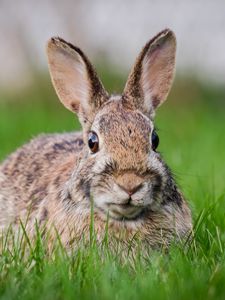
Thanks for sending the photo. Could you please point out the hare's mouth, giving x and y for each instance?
(124, 211)
(120, 209)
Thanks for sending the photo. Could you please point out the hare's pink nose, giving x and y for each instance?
(131, 191)
(129, 182)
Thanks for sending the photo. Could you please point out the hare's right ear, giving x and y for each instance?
(75, 80)
(151, 77)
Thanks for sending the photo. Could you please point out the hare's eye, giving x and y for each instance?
(155, 140)
(93, 141)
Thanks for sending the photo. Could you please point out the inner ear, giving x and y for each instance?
(75, 80)
(151, 77)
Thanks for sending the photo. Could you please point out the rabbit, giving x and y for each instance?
(112, 168)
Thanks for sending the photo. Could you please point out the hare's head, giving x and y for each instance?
(120, 167)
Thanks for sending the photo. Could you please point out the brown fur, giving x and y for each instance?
(54, 178)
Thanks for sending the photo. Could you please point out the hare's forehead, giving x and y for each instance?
(117, 125)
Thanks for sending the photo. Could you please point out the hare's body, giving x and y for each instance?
(32, 184)
(54, 179)
(33, 171)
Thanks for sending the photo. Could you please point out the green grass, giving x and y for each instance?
(191, 128)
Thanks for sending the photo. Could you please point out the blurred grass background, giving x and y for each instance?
(191, 127)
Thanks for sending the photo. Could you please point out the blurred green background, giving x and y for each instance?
(190, 124)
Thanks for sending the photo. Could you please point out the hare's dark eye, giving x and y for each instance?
(155, 140)
(93, 141)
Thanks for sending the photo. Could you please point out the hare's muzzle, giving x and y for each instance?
(130, 183)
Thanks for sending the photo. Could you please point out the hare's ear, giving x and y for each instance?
(151, 77)
(74, 79)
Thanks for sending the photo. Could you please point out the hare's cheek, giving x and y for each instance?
(101, 161)
(154, 195)
(144, 196)
(105, 195)
(103, 202)
(155, 162)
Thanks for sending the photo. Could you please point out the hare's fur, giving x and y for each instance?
(54, 178)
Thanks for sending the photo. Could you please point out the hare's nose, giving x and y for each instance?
(131, 191)
(129, 182)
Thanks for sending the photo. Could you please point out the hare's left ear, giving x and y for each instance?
(151, 77)
(75, 80)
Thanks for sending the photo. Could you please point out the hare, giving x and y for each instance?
(113, 167)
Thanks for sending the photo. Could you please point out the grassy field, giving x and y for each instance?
(191, 128)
